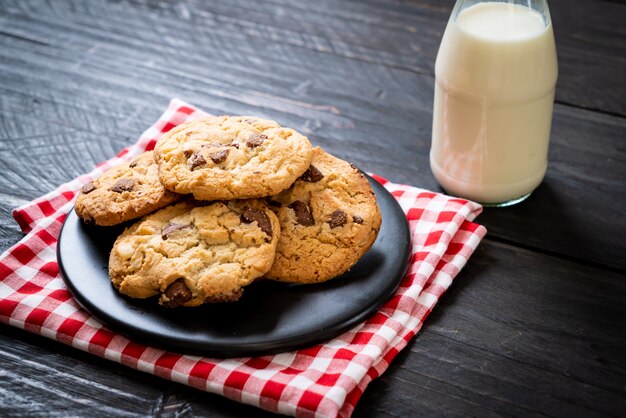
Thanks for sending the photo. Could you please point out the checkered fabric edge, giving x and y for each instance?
(324, 380)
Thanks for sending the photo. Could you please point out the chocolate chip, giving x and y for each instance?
(312, 175)
(177, 294)
(357, 219)
(219, 156)
(255, 139)
(303, 213)
(188, 153)
(170, 228)
(274, 203)
(88, 188)
(250, 215)
(133, 164)
(123, 185)
(337, 218)
(196, 160)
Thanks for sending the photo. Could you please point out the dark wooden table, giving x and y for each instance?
(536, 322)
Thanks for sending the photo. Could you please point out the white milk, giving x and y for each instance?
(496, 73)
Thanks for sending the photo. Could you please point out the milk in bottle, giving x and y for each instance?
(496, 73)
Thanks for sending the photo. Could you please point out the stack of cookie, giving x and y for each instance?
(226, 201)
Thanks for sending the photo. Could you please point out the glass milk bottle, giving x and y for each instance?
(496, 73)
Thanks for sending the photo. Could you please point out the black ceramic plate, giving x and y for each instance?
(270, 317)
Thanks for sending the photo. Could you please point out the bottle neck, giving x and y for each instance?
(539, 6)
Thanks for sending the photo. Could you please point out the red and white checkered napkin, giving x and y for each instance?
(324, 380)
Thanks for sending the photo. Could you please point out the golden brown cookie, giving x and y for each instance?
(328, 218)
(124, 192)
(231, 157)
(190, 254)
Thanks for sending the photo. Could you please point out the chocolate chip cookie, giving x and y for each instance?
(124, 192)
(328, 218)
(191, 253)
(231, 157)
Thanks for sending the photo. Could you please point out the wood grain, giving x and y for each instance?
(533, 324)
(38, 381)
(406, 35)
(543, 341)
(100, 91)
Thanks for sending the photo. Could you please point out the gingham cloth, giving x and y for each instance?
(324, 380)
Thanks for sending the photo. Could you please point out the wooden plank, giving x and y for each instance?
(591, 46)
(101, 89)
(407, 36)
(45, 378)
(519, 334)
(398, 35)
(522, 333)
(38, 380)
(578, 211)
